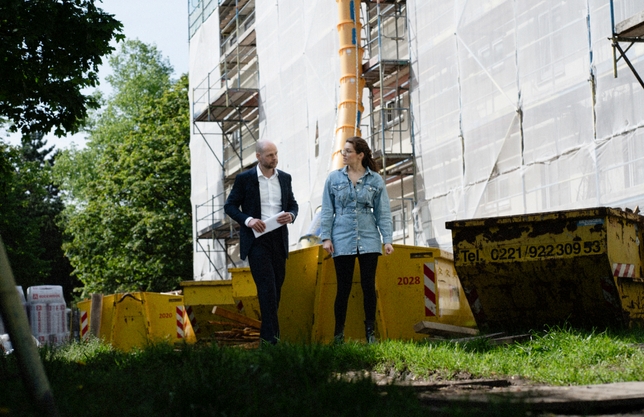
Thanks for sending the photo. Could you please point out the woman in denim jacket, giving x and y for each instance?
(355, 214)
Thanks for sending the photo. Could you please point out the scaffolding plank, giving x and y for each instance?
(374, 2)
(633, 27)
(229, 179)
(248, 37)
(371, 68)
(228, 11)
(401, 164)
(230, 102)
(220, 230)
(238, 56)
(391, 158)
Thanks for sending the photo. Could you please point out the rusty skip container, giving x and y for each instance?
(581, 267)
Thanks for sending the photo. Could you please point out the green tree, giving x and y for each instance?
(140, 76)
(129, 221)
(19, 232)
(51, 51)
(30, 205)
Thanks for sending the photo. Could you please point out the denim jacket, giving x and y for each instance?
(354, 217)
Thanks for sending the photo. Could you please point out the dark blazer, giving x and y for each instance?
(244, 202)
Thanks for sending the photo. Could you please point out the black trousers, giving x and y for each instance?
(344, 266)
(267, 262)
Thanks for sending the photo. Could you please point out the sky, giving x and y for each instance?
(163, 23)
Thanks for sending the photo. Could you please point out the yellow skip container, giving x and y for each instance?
(413, 284)
(582, 267)
(137, 319)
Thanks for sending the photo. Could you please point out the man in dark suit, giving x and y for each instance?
(257, 195)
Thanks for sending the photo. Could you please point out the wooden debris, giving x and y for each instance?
(469, 339)
(243, 331)
(495, 339)
(439, 329)
(240, 318)
(510, 339)
(221, 323)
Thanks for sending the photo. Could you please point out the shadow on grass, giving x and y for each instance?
(93, 379)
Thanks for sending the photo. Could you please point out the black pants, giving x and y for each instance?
(344, 266)
(267, 262)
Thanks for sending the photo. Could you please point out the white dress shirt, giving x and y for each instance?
(270, 195)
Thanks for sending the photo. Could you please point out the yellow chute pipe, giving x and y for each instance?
(351, 81)
(351, 87)
(349, 33)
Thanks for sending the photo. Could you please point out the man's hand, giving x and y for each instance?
(284, 218)
(257, 225)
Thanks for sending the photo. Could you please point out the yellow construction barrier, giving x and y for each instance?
(413, 284)
(200, 297)
(419, 284)
(297, 297)
(583, 267)
(137, 319)
(296, 312)
(244, 292)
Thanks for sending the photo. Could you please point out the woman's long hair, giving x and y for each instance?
(360, 145)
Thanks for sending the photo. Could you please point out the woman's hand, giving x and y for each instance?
(327, 245)
(389, 249)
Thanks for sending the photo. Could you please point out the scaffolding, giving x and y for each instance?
(387, 76)
(629, 31)
(229, 97)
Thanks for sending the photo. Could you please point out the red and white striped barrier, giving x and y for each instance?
(624, 270)
(180, 316)
(84, 325)
(430, 289)
(193, 319)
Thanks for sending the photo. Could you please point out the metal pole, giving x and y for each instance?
(613, 38)
(15, 320)
(630, 65)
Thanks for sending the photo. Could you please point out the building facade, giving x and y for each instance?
(473, 108)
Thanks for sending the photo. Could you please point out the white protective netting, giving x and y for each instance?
(517, 110)
(515, 107)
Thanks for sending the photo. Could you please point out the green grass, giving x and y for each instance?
(92, 379)
(561, 356)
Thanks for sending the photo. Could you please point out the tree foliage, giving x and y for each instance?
(19, 232)
(51, 52)
(30, 205)
(130, 222)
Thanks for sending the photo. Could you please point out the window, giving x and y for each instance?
(235, 139)
(398, 223)
(393, 112)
